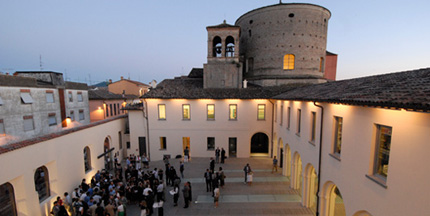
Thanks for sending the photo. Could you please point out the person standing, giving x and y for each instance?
(222, 155)
(186, 154)
(217, 154)
(208, 179)
(181, 168)
(186, 192)
(275, 164)
(175, 194)
(212, 165)
(221, 177)
(247, 169)
(216, 196)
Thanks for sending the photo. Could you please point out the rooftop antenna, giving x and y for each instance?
(280, 1)
(40, 61)
(89, 79)
(128, 75)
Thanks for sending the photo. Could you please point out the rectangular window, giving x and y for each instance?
(313, 126)
(26, 97)
(72, 115)
(289, 117)
(186, 113)
(107, 110)
(232, 112)
(52, 120)
(2, 131)
(337, 145)
(382, 151)
(261, 112)
(28, 123)
(161, 112)
(80, 98)
(114, 109)
(81, 115)
(163, 143)
(299, 120)
(211, 143)
(49, 96)
(211, 112)
(276, 112)
(289, 62)
(282, 114)
(128, 145)
(70, 96)
(111, 110)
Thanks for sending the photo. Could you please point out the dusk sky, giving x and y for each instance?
(98, 40)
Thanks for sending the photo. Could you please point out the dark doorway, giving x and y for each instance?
(260, 143)
(142, 146)
(232, 145)
(281, 158)
(108, 154)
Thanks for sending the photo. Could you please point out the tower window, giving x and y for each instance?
(289, 62)
(291, 15)
(229, 49)
(321, 64)
(217, 47)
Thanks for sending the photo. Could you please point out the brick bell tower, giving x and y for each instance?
(223, 69)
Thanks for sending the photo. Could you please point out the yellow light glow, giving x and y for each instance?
(99, 108)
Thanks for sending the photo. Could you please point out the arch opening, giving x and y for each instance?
(108, 154)
(41, 183)
(260, 143)
(229, 46)
(7, 200)
(297, 177)
(332, 203)
(216, 47)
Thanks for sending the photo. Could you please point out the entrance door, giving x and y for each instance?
(142, 146)
(260, 143)
(185, 144)
(281, 158)
(232, 144)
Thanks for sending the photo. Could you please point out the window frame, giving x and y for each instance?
(313, 127)
(162, 115)
(289, 61)
(52, 116)
(232, 114)
(289, 118)
(337, 136)
(50, 95)
(184, 115)
(26, 119)
(70, 96)
(2, 128)
(72, 115)
(87, 159)
(163, 143)
(261, 109)
(281, 120)
(299, 122)
(80, 97)
(8, 193)
(83, 115)
(44, 184)
(213, 112)
(210, 144)
(377, 154)
(26, 97)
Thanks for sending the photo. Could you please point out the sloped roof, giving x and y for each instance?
(132, 81)
(101, 94)
(222, 25)
(408, 90)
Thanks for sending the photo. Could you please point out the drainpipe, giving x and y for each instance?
(319, 158)
(145, 107)
(273, 116)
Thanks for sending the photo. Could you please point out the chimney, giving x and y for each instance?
(110, 81)
(245, 83)
(122, 77)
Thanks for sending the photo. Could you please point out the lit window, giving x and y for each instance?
(289, 117)
(80, 98)
(282, 114)
(289, 62)
(211, 143)
(321, 64)
(52, 120)
(261, 113)
(49, 97)
(161, 112)
(81, 115)
(163, 143)
(2, 131)
(72, 115)
(299, 121)
(26, 97)
(186, 113)
(382, 151)
(233, 112)
(211, 112)
(28, 123)
(313, 126)
(337, 145)
(41, 182)
(70, 96)
(7, 200)
(87, 159)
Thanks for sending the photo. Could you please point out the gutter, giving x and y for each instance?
(273, 122)
(145, 107)
(319, 157)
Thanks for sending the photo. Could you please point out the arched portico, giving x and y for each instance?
(331, 201)
(362, 213)
(280, 154)
(310, 187)
(260, 143)
(296, 178)
(287, 161)
(108, 154)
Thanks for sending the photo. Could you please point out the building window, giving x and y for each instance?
(128, 145)
(26, 97)
(282, 114)
(211, 143)
(382, 151)
(275, 112)
(80, 98)
(313, 126)
(211, 112)
(87, 159)
(49, 96)
(2, 131)
(161, 112)
(186, 113)
(41, 182)
(111, 110)
(289, 62)
(28, 123)
(163, 143)
(321, 64)
(7, 200)
(261, 112)
(81, 115)
(288, 117)
(107, 110)
(337, 145)
(70, 96)
(114, 109)
(72, 115)
(52, 120)
(299, 120)
(232, 112)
